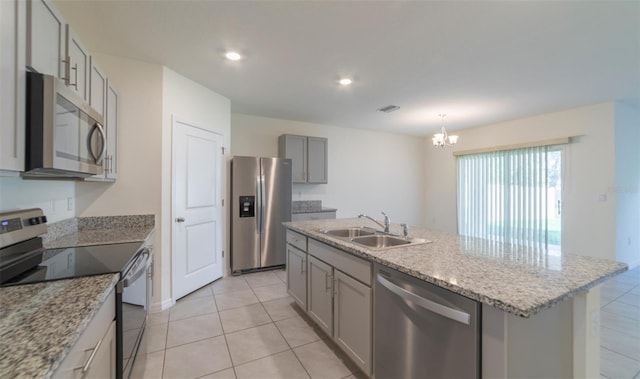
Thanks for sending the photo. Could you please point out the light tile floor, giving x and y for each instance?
(620, 327)
(239, 327)
(248, 327)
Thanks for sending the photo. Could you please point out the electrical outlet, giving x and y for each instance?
(69, 204)
(52, 203)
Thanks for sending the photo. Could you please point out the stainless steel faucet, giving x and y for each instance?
(405, 231)
(387, 221)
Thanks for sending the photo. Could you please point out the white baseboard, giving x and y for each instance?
(634, 264)
(161, 306)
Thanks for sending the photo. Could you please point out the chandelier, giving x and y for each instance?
(442, 139)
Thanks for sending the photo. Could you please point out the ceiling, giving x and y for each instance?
(478, 62)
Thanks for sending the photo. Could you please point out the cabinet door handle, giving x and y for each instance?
(75, 68)
(328, 281)
(67, 65)
(87, 364)
(302, 266)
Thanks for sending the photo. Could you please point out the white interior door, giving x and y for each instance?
(197, 209)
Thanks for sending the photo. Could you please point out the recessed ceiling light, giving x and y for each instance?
(345, 81)
(233, 56)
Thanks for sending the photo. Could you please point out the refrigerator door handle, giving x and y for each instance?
(259, 204)
(262, 202)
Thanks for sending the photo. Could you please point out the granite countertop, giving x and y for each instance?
(86, 231)
(40, 323)
(309, 206)
(36, 328)
(521, 281)
(313, 210)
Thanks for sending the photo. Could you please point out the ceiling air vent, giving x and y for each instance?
(388, 108)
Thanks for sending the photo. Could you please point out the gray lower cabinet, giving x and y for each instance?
(320, 294)
(352, 319)
(297, 275)
(340, 304)
(94, 354)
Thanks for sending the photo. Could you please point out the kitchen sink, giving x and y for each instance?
(349, 232)
(379, 241)
(386, 241)
(373, 239)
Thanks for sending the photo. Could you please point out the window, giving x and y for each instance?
(512, 196)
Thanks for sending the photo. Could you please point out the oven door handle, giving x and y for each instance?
(137, 268)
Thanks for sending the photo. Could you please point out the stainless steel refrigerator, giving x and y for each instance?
(261, 201)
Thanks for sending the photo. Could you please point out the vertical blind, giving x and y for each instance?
(504, 196)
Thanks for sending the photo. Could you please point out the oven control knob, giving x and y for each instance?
(43, 219)
(34, 221)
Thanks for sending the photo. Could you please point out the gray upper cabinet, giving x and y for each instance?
(12, 85)
(54, 49)
(111, 120)
(109, 103)
(317, 160)
(77, 65)
(97, 88)
(309, 157)
(45, 39)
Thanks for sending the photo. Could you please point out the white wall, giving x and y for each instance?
(369, 171)
(588, 217)
(627, 186)
(137, 189)
(50, 195)
(191, 102)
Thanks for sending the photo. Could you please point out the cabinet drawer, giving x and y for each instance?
(96, 330)
(350, 264)
(296, 239)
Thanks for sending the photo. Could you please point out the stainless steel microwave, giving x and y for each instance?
(65, 136)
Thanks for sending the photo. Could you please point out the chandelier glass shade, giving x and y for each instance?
(442, 139)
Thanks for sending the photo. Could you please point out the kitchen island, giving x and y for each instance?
(533, 300)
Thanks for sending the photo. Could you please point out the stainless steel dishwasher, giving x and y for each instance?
(423, 331)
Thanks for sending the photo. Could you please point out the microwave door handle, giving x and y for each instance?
(103, 138)
(103, 152)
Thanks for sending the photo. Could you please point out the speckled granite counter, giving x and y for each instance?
(86, 231)
(40, 323)
(309, 206)
(521, 281)
(314, 210)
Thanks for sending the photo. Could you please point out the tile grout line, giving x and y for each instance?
(285, 340)
(617, 352)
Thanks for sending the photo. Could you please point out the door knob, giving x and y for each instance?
(180, 219)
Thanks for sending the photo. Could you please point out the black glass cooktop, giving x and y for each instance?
(72, 262)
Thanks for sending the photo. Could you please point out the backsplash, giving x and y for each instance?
(306, 205)
(75, 224)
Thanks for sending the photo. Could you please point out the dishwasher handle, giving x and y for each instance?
(429, 305)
